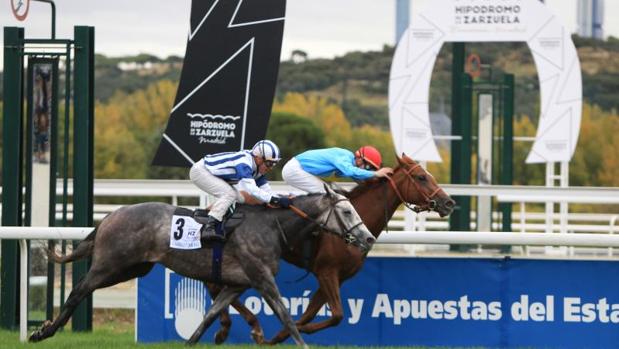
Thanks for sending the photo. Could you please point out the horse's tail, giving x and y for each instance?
(83, 250)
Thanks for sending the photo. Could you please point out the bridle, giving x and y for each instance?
(430, 203)
(348, 237)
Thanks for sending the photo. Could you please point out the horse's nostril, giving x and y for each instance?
(371, 240)
(450, 203)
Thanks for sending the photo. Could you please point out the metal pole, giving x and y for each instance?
(550, 173)
(461, 126)
(507, 171)
(53, 15)
(402, 18)
(65, 165)
(23, 291)
(11, 170)
(83, 136)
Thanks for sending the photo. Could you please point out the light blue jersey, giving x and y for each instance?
(332, 161)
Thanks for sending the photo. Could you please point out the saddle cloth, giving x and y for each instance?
(186, 224)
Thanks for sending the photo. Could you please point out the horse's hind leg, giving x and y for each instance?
(223, 299)
(93, 280)
(225, 322)
(224, 317)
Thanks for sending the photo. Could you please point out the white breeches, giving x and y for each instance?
(296, 176)
(224, 193)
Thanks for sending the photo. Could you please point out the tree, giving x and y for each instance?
(298, 56)
(128, 130)
(441, 170)
(326, 115)
(596, 158)
(294, 134)
(526, 174)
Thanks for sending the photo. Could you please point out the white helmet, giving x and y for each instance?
(267, 150)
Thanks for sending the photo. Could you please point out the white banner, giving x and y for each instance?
(527, 21)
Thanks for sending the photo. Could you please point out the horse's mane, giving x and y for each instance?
(305, 196)
(361, 188)
(364, 186)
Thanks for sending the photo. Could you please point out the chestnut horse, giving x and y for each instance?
(332, 261)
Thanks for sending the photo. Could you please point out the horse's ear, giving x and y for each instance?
(400, 161)
(328, 190)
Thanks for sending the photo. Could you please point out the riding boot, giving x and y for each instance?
(208, 232)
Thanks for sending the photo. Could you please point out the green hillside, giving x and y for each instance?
(343, 102)
(358, 81)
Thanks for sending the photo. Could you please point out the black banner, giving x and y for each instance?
(227, 85)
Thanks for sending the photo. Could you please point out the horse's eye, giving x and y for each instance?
(422, 177)
(348, 212)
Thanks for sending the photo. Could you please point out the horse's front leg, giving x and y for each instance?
(223, 299)
(268, 290)
(256, 330)
(330, 291)
(226, 322)
(316, 302)
(330, 285)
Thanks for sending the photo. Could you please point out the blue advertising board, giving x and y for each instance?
(393, 301)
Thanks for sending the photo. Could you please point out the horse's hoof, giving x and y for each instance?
(39, 334)
(221, 336)
(36, 336)
(258, 337)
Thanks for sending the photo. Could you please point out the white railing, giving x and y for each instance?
(507, 193)
(499, 238)
(176, 189)
(394, 237)
(34, 233)
(184, 188)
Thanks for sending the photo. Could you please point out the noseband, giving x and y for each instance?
(429, 204)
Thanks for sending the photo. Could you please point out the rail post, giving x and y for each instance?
(11, 171)
(83, 105)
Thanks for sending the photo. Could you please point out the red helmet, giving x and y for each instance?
(370, 155)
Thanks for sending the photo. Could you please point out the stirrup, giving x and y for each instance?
(208, 232)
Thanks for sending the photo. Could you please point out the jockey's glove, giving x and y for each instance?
(280, 201)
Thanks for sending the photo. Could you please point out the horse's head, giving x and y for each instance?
(339, 216)
(414, 185)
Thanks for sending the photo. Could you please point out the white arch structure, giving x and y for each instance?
(529, 21)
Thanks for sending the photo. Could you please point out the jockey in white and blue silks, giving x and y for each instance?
(304, 170)
(227, 175)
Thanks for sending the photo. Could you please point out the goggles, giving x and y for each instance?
(367, 166)
(270, 163)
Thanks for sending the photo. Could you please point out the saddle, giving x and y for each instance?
(230, 221)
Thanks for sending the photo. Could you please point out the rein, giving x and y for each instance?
(347, 236)
(429, 205)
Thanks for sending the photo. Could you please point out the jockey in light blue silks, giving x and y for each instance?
(227, 175)
(304, 170)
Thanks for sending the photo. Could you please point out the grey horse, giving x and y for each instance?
(131, 239)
